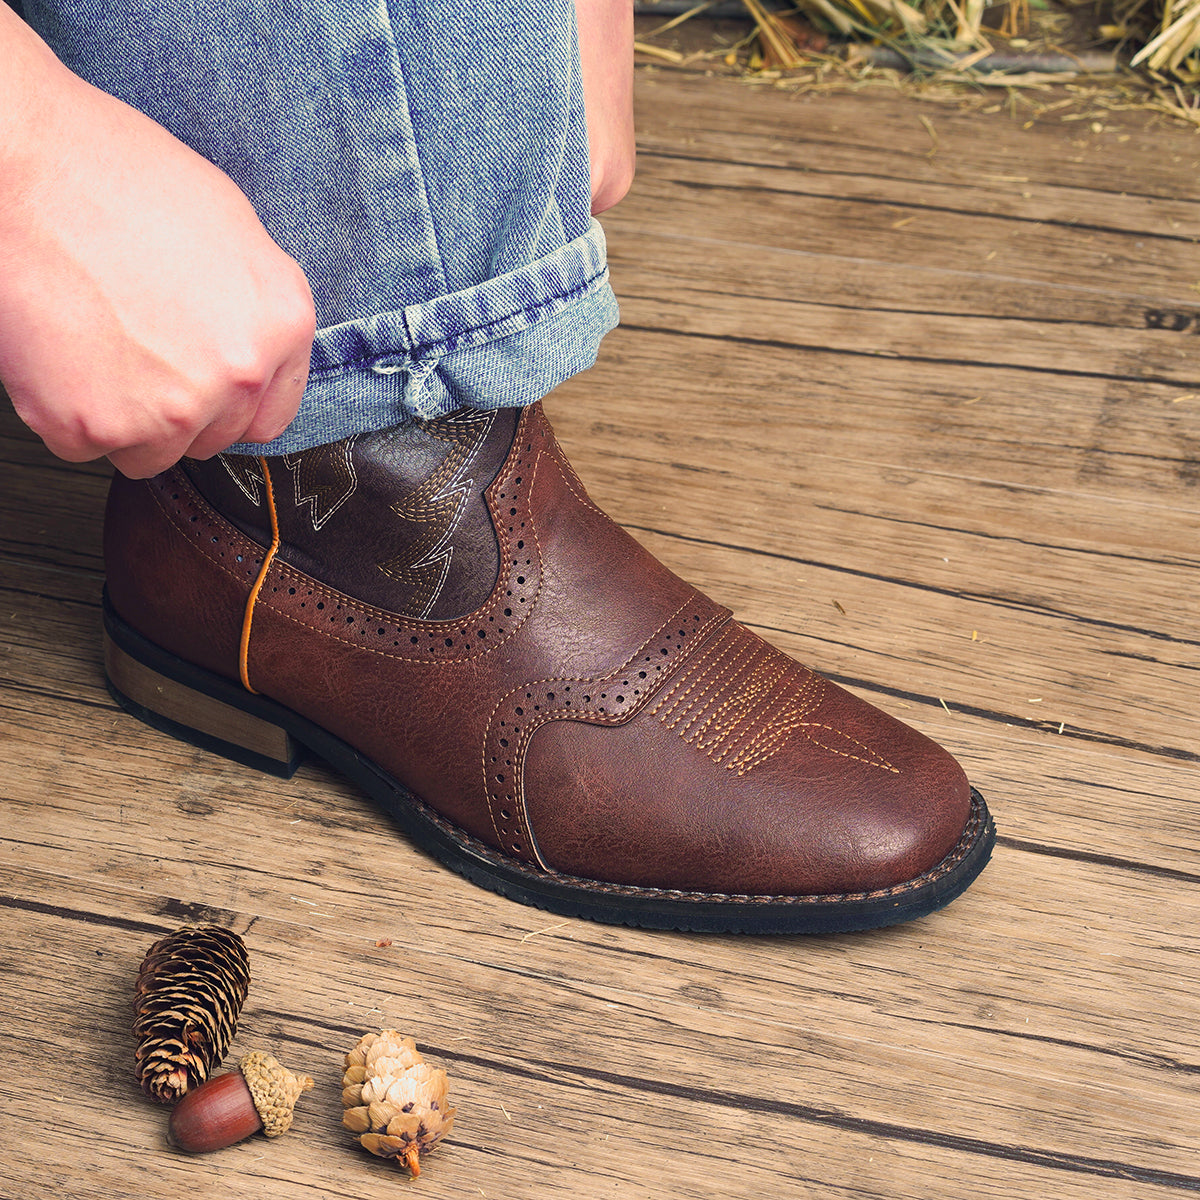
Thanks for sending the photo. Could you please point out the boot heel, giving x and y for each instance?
(196, 717)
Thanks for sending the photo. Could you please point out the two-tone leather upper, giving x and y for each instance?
(447, 600)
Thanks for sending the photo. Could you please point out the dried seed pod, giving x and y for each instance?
(394, 1100)
(261, 1094)
(190, 991)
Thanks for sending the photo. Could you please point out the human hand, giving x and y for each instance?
(606, 64)
(145, 313)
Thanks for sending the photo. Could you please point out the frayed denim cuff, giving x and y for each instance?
(506, 342)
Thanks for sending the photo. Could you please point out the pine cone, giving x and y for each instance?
(394, 1099)
(190, 990)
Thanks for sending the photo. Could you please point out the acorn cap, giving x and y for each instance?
(274, 1090)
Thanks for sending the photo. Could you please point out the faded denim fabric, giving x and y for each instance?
(425, 161)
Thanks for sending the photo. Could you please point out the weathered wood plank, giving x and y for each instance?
(797, 214)
(1133, 155)
(962, 482)
(715, 262)
(1107, 437)
(715, 304)
(693, 1077)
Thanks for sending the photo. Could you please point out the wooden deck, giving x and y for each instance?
(917, 392)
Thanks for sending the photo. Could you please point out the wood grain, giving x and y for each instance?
(953, 461)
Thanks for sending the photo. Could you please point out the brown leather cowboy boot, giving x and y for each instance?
(441, 613)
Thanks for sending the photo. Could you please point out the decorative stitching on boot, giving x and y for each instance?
(610, 699)
(740, 699)
(245, 472)
(436, 507)
(334, 461)
(333, 614)
(575, 486)
(310, 604)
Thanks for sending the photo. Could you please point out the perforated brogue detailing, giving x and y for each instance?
(233, 486)
(177, 571)
(302, 598)
(217, 539)
(740, 701)
(609, 700)
(397, 518)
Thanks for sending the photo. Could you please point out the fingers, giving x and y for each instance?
(264, 422)
(142, 462)
(276, 408)
(89, 432)
(606, 65)
(144, 434)
(281, 400)
(274, 405)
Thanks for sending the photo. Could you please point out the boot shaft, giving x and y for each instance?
(398, 516)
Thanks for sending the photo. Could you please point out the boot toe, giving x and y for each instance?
(803, 791)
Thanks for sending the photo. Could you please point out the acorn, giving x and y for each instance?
(260, 1094)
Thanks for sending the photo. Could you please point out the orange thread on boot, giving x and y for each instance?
(252, 599)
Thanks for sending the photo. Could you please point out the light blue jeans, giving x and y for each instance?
(425, 161)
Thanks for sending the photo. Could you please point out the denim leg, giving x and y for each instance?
(425, 161)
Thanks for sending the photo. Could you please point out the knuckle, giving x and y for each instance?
(177, 416)
(301, 316)
(611, 183)
(243, 374)
(89, 435)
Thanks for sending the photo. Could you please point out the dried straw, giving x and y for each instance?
(1177, 40)
(947, 40)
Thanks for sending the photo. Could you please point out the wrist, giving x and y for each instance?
(37, 97)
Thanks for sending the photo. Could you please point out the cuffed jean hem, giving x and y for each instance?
(503, 343)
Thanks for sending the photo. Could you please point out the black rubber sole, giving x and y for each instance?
(210, 712)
